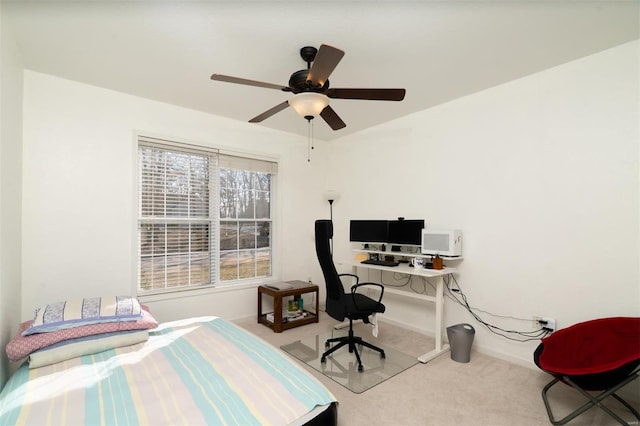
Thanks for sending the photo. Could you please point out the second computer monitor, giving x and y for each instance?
(406, 232)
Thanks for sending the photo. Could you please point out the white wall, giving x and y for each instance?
(541, 174)
(79, 210)
(10, 186)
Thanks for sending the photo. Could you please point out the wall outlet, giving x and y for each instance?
(547, 323)
(551, 323)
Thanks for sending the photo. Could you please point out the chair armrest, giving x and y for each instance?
(354, 288)
(352, 276)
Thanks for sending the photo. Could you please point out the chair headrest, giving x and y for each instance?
(324, 229)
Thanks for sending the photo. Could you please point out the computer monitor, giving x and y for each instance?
(406, 232)
(369, 231)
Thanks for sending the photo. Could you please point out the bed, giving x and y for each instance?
(195, 371)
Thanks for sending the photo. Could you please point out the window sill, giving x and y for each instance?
(199, 291)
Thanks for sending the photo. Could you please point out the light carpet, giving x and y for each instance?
(484, 392)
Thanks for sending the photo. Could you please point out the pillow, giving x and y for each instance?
(74, 348)
(21, 346)
(91, 310)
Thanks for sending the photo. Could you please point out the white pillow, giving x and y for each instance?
(84, 346)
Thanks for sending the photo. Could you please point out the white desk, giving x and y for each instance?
(404, 268)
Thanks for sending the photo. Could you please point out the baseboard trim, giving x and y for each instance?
(476, 348)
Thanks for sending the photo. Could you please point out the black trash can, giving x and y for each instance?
(460, 340)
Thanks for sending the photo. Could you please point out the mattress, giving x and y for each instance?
(193, 371)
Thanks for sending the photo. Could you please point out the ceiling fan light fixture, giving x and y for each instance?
(309, 104)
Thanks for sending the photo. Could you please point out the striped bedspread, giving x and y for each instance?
(189, 372)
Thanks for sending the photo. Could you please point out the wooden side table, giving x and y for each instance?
(299, 288)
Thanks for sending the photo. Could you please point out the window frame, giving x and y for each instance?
(236, 158)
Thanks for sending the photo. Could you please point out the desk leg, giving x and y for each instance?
(440, 346)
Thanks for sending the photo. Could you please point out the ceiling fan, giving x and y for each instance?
(311, 88)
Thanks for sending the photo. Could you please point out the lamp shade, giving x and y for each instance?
(331, 195)
(309, 104)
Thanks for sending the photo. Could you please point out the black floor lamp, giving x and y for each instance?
(331, 196)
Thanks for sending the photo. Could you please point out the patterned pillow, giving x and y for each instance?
(21, 346)
(91, 310)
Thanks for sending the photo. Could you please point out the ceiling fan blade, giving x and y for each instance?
(268, 113)
(332, 119)
(367, 94)
(323, 65)
(237, 80)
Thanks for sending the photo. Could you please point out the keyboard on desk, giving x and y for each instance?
(380, 262)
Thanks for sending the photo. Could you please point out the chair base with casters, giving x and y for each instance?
(601, 355)
(351, 340)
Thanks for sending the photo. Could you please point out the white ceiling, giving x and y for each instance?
(437, 50)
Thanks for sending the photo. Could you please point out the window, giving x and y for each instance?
(245, 224)
(204, 217)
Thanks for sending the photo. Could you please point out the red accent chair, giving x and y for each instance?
(600, 355)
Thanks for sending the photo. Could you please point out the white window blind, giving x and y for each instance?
(178, 211)
(228, 161)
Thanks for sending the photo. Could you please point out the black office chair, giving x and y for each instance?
(340, 305)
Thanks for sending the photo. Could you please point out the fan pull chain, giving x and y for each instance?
(309, 139)
(312, 135)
